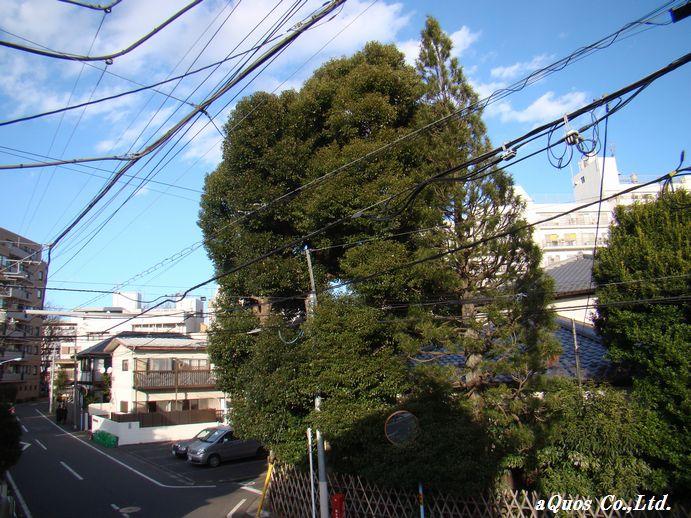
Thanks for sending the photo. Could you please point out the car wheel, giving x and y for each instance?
(214, 461)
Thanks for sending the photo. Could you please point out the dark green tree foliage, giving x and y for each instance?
(347, 356)
(594, 443)
(649, 257)
(362, 360)
(10, 433)
(348, 108)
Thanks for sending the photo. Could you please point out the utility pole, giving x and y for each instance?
(51, 387)
(321, 457)
(75, 394)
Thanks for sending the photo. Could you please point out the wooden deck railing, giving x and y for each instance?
(171, 379)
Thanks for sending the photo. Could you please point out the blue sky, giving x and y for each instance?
(497, 43)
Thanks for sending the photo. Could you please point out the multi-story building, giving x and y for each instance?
(90, 325)
(162, 386)
(575, 234)
(23, 276)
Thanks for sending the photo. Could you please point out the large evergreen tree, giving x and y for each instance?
(359, 355)
(648, 257)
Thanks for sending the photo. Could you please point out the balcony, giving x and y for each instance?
(14, 293)
(11, 354)
(170, 380)
(11, 377)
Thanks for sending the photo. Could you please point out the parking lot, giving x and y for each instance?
(157, 457)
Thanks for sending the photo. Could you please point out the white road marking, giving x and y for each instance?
(77, 475)
(117, 461)
(230, 514)
(26, 430)
(19, 496)
(25, 445)
(115, 507)
(251, 489)
(40, 444)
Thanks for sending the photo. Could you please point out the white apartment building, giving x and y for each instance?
(573, 235)
(90, 325)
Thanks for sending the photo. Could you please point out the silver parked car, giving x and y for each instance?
(219, 444)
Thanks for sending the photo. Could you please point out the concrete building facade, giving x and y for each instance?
(23, 276)
(574, 235)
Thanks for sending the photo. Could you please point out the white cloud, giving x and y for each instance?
(547, 106)
(410, 49)
(486, 89)
(462, 39)
(141, 192)
(520, 68)
(31, 84)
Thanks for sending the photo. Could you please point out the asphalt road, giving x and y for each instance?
(61, 474)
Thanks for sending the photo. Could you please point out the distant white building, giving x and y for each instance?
(92, 324)
(574, 235)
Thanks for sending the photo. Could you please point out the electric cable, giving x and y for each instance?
(153, 172)
(107, 8)
(191, 115)
(25, 154)
(107, 58)
(168, 96)
(292, 244)
(57, 130)
(535, 76)
(497, 95)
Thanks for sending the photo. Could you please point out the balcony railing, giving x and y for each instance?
(172, 379)
(11, 377)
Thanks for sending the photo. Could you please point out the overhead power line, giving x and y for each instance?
(158, 167)
(95, 175)
(535, 76)
(292, 244)
(200, 108)
(135, 90)
(496, 96)
(107, 8)
(107, 58)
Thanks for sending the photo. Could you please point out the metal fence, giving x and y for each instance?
(289, 497)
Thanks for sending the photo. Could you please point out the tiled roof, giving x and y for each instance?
(593, 363)
(571, 275)
(591, 353)
(144, 337)
(157, 342)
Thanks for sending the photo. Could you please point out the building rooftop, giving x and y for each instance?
(594, 364)
(135, 339)
(572, 276)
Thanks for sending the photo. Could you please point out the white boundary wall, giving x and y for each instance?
(132, 433)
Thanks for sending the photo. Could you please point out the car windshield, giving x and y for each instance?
(212, 435)
(204, 433)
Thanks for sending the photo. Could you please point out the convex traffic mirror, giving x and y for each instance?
(401, 428)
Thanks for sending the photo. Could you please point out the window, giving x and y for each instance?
(39, 294)
(125, 365)
(123, 407)
(192, 365)
(40, 275)
(582, 179)
(160, 364)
